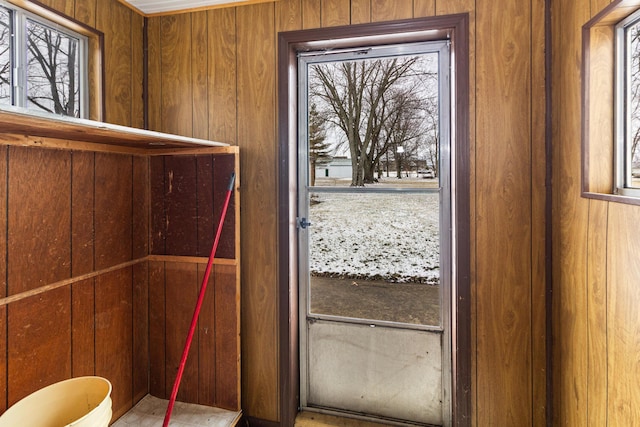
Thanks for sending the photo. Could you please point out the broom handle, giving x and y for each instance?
(196, 312)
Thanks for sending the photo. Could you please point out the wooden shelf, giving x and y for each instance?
(17, 121)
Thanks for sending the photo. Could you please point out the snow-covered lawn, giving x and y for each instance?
(381, 236)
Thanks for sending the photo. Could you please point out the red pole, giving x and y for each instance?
(196, 312)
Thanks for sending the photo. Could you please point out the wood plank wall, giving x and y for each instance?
(508, 163)
(595, 259)
(69, 215)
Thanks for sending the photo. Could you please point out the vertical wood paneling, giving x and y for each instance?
(86, 11)
(207, 221)
(335, 12)
(114, 20)
(227, 333)
(154, 75)
(157, 193)
(570, 221)
(177, 89)
(137, 71)
(182, 293)
(222, 75)
(140, 331)
(63, 6)
(538, 214)
(424, 8)
(157, 326)
(597, 314)
(113, 205)
(256, 105)
(384, 10)
(140, 209)
(503, 215)
(360, 11)
(180, 205)
(82, 205)
(3, 358)
(39, 342)
(623, 322)
(310, 14)
(4, 181)
(200, 77)
(83, 328)
(223, 166)
(38, 242)
(288, 15)
(114, 336)
(207, 337)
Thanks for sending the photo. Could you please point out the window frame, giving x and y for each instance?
(600, 115)
(91, 58)
(622, 116)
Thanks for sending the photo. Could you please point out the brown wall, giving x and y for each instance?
(213, 74)
(595, 266)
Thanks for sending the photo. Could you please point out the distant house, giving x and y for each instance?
(339, 167)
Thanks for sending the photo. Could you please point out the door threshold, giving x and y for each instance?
(318, 417)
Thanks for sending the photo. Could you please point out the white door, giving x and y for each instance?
(374, 222)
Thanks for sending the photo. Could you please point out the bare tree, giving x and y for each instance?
(52, 70)
(319, 150)
(635, 94)
(363, 99)
(5, 57)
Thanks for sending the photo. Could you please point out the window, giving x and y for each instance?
(43, 65)
(628, 106)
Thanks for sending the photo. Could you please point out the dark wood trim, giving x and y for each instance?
(258, 422)
(455, 28)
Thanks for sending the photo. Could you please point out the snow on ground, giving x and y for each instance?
(378, 236)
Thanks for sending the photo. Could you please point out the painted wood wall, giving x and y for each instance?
(595, 261)
(212, 74)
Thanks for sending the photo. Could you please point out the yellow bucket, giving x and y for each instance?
(77, 402)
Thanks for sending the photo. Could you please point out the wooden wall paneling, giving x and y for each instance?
(82, 210)
(113, 209)
(207, 339)
(3, 359)
(181, 296)
(288, 15)
(503, 184)
(154, 73)
(65, 7)
(311, 14)
(227, 329)
(200, 76)
(256, 105)
(157, 326)
(598, 5)
(39, 220)
(157, 186)
(140, 331)
(140, 209)
(114, 20)
(539, 321)
(383, 10)
(39, 342)
(222, 75)
(86, 12)
(335, 12)
(597, 313)
(114, 336)
(223, 166)
(207, 222)
(424, 8)
(137, 71)
(181, 205)
(177, 87)
(83, 328)
(623, 322)
(4, 183)
(570, 219)
(360, 11)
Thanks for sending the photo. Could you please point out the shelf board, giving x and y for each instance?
(17, 121)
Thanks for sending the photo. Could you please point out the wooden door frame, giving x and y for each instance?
(456, 29)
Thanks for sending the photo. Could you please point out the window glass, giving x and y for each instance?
(52, 75)
(632, 138)
(6, 92)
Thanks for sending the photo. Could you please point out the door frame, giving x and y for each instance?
(456, 29)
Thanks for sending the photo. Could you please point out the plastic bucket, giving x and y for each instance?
(78, 402)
